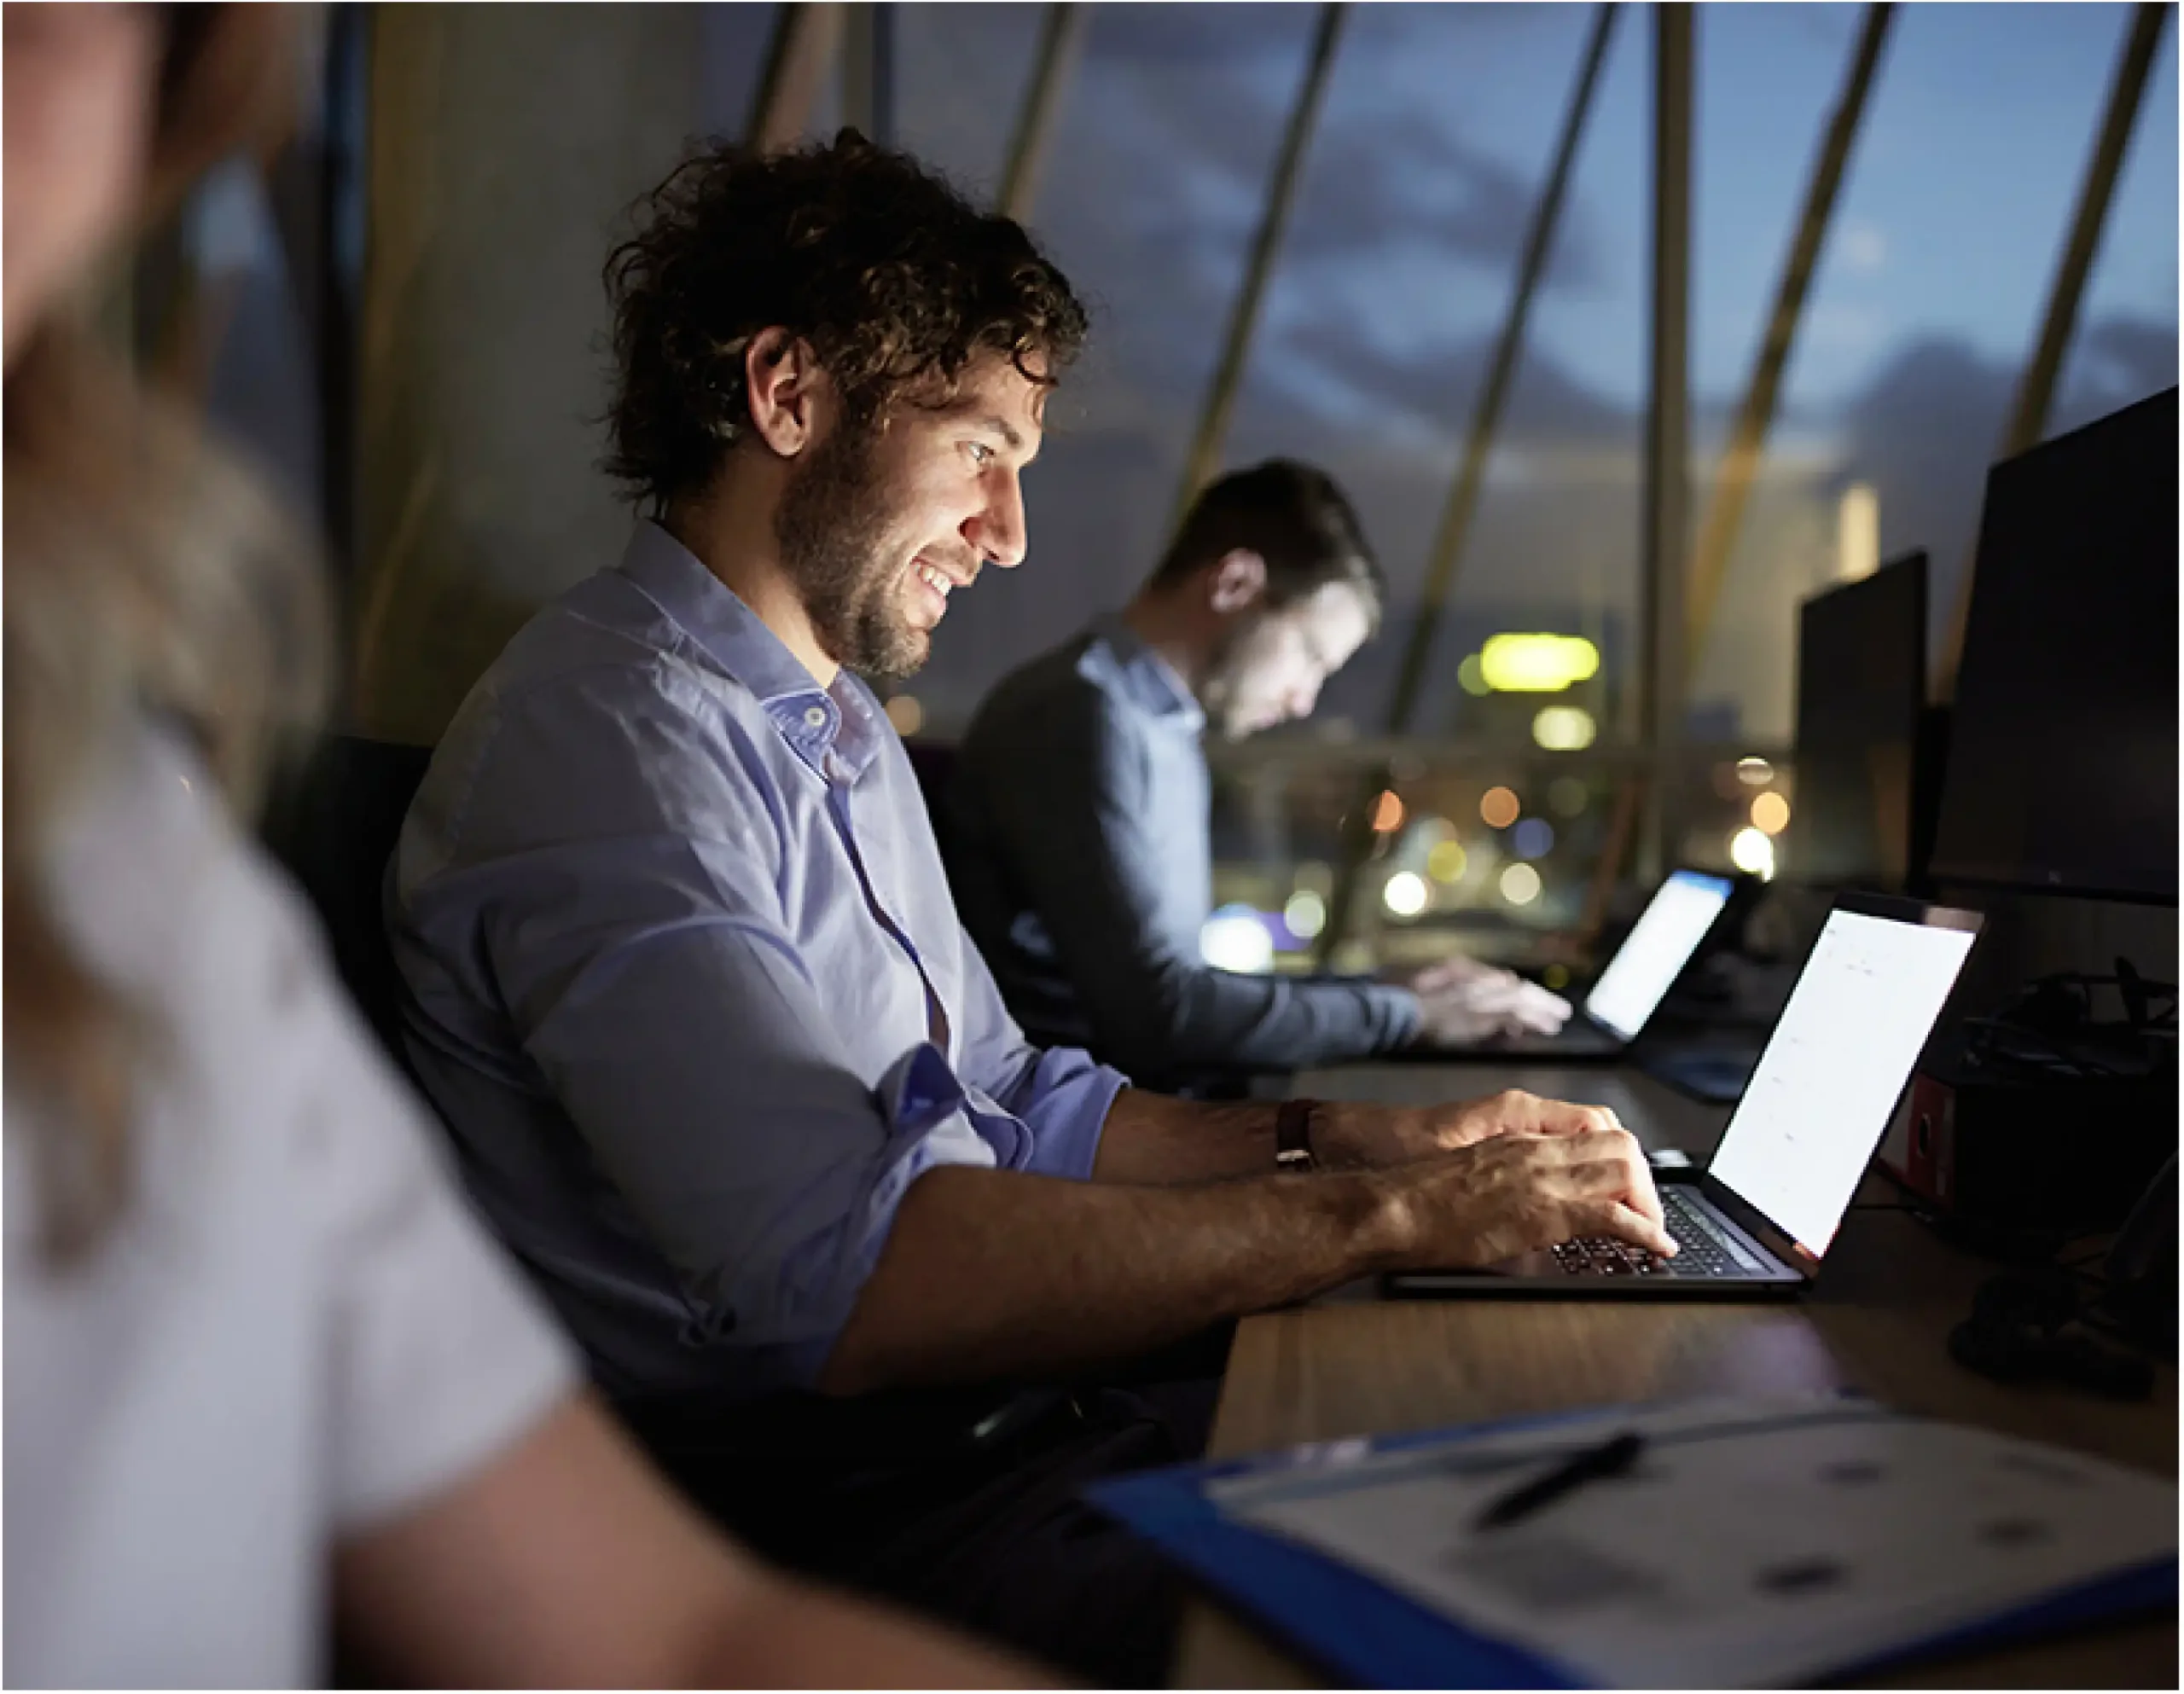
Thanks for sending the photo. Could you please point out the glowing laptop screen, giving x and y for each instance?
(1836, 1066)
(1659, 945)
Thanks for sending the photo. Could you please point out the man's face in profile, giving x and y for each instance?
(887, 519)
(1276, 660)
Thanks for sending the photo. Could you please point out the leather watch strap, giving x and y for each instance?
(1292, 1135)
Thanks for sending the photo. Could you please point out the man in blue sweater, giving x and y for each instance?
(1081, 806)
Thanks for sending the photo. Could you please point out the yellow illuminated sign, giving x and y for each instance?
(1536, 664)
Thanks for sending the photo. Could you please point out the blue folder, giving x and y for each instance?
(1370, 1635)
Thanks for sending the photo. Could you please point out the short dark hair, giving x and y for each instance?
(1293, 516)
(897, 281)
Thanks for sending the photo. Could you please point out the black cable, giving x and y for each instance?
(2004, 1041)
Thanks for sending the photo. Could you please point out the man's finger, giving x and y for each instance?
(1643, 1196)
(1561, 1118)
(1612, 1217)
(1646, 1201)
(1606, 1161)
(1628, 1154)
(1475, 996)
(1530, 1018)
(1609, 1160)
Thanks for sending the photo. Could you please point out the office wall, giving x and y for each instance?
(505, 141)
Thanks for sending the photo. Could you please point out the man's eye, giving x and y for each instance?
(981, 455)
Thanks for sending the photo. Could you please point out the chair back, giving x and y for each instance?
(334, 830)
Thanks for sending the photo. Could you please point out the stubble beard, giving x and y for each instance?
(1218, 693)
(833, 532)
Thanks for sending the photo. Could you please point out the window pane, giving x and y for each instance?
(2125, 347)
(1384, 317)
(962, 72)
(1383, 323)
(732, 44)
(1555, 545)
(1923, 309)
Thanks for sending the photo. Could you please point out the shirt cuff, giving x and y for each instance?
(811, 1289)
(1065, 1104)
(1398, 1012)
(932, 1119)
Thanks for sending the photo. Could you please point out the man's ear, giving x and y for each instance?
(788, 389)
(1239, 579)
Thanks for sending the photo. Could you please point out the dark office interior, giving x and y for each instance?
(1764, 418)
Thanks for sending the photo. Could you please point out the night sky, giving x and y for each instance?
(1433, 145)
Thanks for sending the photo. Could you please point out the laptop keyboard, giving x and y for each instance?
(1700, 1252)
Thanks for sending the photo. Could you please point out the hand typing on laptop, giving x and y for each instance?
(1759, 1219)
(1348, 1135)
(1521, 1190)
(1461, 1000)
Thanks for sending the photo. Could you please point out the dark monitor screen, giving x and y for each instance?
(2062, 765)
(1862, 684)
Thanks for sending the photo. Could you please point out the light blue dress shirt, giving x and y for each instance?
(684, 976)
(1082, 820)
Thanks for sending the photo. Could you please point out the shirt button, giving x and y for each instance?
(815, 717)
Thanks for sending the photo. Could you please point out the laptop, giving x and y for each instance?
(1635, 981)
(1757, 1223)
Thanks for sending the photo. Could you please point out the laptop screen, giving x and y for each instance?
(1836, 1066)
(1659, 945)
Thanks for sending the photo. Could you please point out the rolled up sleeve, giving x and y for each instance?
(1061, 1095)
(698, 1061)
(649, 972)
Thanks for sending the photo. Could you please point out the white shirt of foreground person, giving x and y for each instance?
(295, 1331)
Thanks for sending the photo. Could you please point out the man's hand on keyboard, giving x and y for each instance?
(1461, 1000)
(1372, 1135)
(1521, 1190)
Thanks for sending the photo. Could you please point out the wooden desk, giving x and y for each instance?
(1352, 1364)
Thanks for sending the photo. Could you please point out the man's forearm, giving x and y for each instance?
(1156, 1139)
(995, 1274)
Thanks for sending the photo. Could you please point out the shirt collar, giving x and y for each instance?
(815, 722)
(1152, 681)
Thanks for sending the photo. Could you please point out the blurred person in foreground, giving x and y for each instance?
(684, 977)
(262, 1367)
(1084, 851)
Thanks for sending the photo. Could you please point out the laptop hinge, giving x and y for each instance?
(1777, 1242)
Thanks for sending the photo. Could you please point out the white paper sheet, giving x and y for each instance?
(1756, 1541)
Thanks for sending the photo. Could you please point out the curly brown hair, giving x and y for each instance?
(896, 281)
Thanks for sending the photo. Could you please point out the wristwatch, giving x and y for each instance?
(1293, 1136)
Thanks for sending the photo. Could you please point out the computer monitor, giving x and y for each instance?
(1861, 685)
(2062, 765)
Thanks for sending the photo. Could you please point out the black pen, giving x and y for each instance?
(1610, 1459)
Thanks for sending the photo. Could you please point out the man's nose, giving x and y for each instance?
(998, 530)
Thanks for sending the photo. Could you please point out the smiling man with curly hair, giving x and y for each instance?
(684, 976)
(922, 313)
